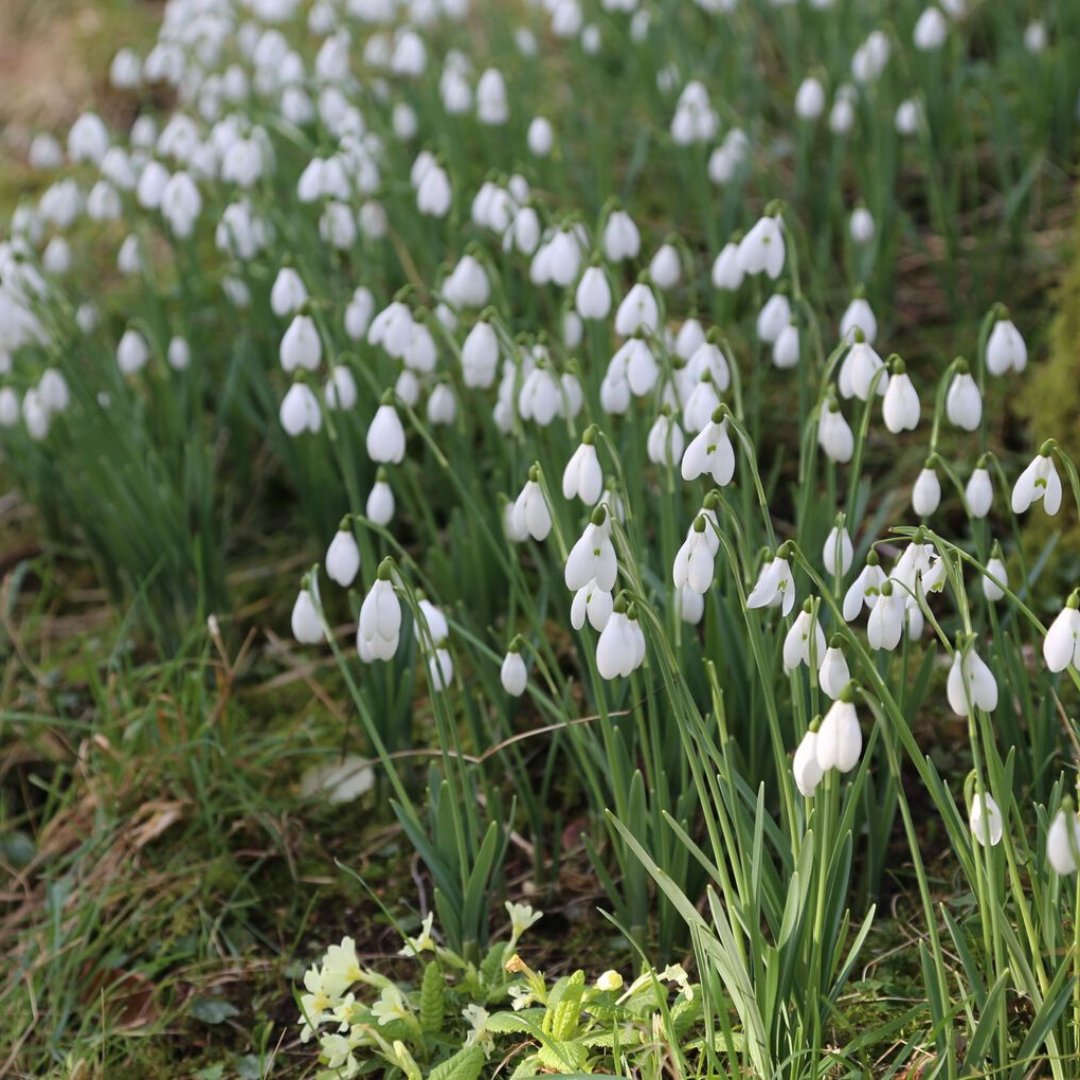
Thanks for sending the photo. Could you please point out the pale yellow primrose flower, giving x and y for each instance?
(424, 942)
(522, 917)
(478, 1019)
(390, 1006)
(610, 980)
(340, 967)
(338, 1050)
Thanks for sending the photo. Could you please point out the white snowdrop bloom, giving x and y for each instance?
(919, 566)
(689, 339)
(642, 371)
(963, 402)
(288, 293)
(455, 91)
(805, 768)
(299, 411)
(592, 556)
(689, 605)
(309, 187)
(709, 357)
(564, 258)
(441, 405)
(761, 250)
(785, 350)
(1005, 349)
(386, 437)
(804, 643)
(870, 58)
(1035, 37)
(638, 311)
(152, 181)
(421, 353)
(865, 589)
(583, 478)
(430, 624)
(480, 356)
(695, 560)
(392, 328)
(433, 194)
(842, 113)
(9, 407)
(132, 353)
(665, 267)
(621, 237)
(970, 684)
(523, 234)
(1061, 646)
(340, 392)
(727, 272)
(593, 604)
(695, 120)
(710, 453)
(87, 317)
(405, 121)
(103, 202)
(407, 388)
(379, 627)
(531, 516)
(861, 227)
(52, 390)
(839, 741)
(358, 313)
(835, 436)
(526, 42)
(931, 29)
(571, 396)
(35, 416)
(88, 139)
(886, 622)
(591, 40)
(833, 675)
(512, 674)
(240, 232)
(337, 225)
(900, 407)
(492, 107)
(665, 442)
(979, 492)
(858, 316)
(621, 647)
(301, 346)
(926, 494)
(467, 285)
(56, 258)
(775, 584)
(61, 204)
(379, 507)
(1063, 840)
(178, 353)
(593, 295)
(129, 258)
(1039, 480)
(540, 137)
(343, 558)
(540, 396)
(409, 55)
(305, 622)
(810, 99)
(908, 118)
(566, 18)
(838, 552)
(45, 152)
(995, 573)
(181, 204)
(985, 820)
(774, 315)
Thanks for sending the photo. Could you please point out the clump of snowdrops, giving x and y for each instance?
(597, 412)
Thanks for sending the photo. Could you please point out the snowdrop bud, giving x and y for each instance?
(727, 272)
(540, 137)
(132, 353)
(761, 250)
(386, 436)
(1039, 480)
(638, 311)
(861, 227)
(1061, 646)
(306, 624)
(842, 114)
(785, 351)
(56, 258)
(380, 501)
(810, 99)
(838, 552)
(1063, 839)
(970, 684)
(900, 408)
(407, 388)
(300, 411)
(88, 139)
(926, 494)
(995, 574)
(908, 117)
(593, 556)
(805, 641)
(930, 30)
(434, 194)
(512, 674)
(358, 313)
(979, 492)
(1005, 348)
(690, 338)
(963, 402)
(1035, 37)
(343, 558)
(805, 768)
(665, 267)
(379, 628)
(9, 407)
(178, 354)
(862, 371)
(301, 346)
(491, 104)
(621, 647)
(583, 477)
(835, 436)
(593, 296)
(833, 675)
(839, 741)
(441, 669)
(129, 257)
(774, 316)
(531, 516)
(665, 442)
(886, 622)
(710, 452)
(985, 820)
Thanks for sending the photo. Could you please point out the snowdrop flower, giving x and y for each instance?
(870, 58)
(695, 559)
(775, 584)
(540, 137)
(56, 258)
(665, 267)
(985, 820)
(583, 478)
(833, 675)
(908, 117)
(379, 628)
(299, 411)
(305, 622)
(301, 346)
(900, 408)
(862, 370)
(858, 316)
(810, 99)
(621, 237)
(385, 436)
(638, 311)
(129, 258)
(785, 351)
(838, 552)
(665, 442)
(593, 296)
(886, 622)
(995, 573)
(710, 452)
(441, 405)
(540, 396)
(592, 558)
(621, 648)
(433, 194)
(970, 684)
(804, 767)
(9, 407)
(979, 492)
(834, 434)
(689, 605)
(491, 103)
(805, 641)
(592, 603)
(1005, 348)
(480, 356)
(45, 152)
(727, 272)
(695, 120)
(343, 557)
(379, 507)
(926, 494)
(512, 674)
(35, 415)
(1061, 646)
(132, 353)
(288, 293)
(467, 285)
(1063, 839)
(701, 403)
(531, 516)
(430, 624)
(774, 316)
(1035, 37)
(931, 30)
(53, 391)
(709, 358)
(340, 390)
(1039, 480)
(842, 114)
(839, 741)
(861, 227)
(963, 402)
(407, 388)
(761, 250)
(690, 338)
(88, 139)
